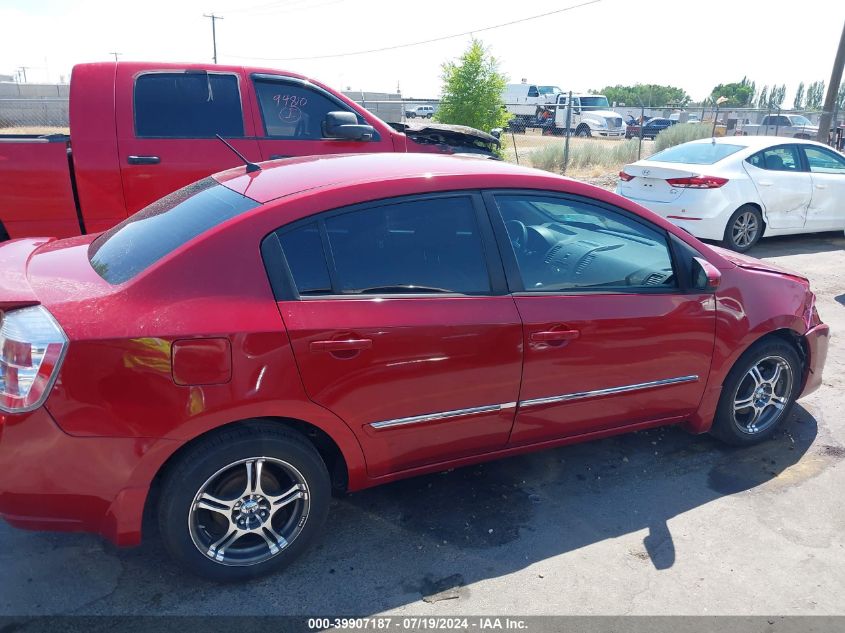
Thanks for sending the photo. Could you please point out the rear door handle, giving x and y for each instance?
(555, 336)
(342, 345)
(143, 160)
(821, 186)
(766, 183)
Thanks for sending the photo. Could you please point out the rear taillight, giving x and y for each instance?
(32, 346)
(625, 177)
(697, 182)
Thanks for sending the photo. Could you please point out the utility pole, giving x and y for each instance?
(832, 90)
(116, 55)
(214, 19)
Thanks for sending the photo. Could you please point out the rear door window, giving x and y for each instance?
(782, 158)
(188, 105)
(427, 246)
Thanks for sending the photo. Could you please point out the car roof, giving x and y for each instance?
(281, 178)
(754, 141)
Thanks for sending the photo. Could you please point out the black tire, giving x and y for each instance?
(216, 461)
(738, 235)
(730, 423)
(583, 131)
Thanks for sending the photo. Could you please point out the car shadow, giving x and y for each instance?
(803, 244)
(433, 537)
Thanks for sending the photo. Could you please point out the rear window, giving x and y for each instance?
(142, 239)
(696, 153)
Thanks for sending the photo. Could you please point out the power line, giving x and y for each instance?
(420, 43)
(214, 19)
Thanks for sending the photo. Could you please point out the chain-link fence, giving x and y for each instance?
(39, 115)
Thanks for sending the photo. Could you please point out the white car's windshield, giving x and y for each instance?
(549, 90)
(800, 120)
(696, 153)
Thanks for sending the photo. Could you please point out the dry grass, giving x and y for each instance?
(588, 157)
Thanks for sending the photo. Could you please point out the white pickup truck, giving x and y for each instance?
(591, 116)
(792, 125)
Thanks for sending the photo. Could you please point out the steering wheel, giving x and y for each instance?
(518, 234)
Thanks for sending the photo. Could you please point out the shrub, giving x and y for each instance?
(682, 133)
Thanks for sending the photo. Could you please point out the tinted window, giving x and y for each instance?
(142, 239)
(824, 161)
(293, 111)
(187, 105)
(421, 246)
(696, 153)
(303, 249)
(783, 158)
(533, 92)
(563, 245)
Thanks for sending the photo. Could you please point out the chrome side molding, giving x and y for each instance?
(533, 402)
(443, 415)
(580, 395)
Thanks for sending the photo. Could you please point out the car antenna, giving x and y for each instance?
(250, 166)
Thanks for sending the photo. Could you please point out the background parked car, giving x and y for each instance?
(651, 129)
(741, 188)
(794, 125)
(422, 111)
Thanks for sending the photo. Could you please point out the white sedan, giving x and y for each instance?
(741, 188)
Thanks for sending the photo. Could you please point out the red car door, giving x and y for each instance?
(290, 112)
(614, 335)
(166, 125)
(402, 326)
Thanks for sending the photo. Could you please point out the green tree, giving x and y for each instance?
(472, 90)
(798, 101)
(763, 99)
(650, 94)
(738, 94)
(815, 95)
(776, 96)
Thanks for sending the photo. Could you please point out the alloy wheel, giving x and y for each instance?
(762, 395)
(745, 229)
(249, 511)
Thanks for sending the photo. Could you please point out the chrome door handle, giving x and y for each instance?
(555, 336)
(342, 345)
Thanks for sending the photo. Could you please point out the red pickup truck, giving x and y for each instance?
(139, 131)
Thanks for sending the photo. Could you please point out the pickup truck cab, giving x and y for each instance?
(139, 131)
(792, 125)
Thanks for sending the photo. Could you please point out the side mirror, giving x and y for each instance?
(344, 125)
(496, 132)
(705, 276)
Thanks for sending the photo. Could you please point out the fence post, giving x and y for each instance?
(568, 125)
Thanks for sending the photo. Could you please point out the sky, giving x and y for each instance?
(692, 45)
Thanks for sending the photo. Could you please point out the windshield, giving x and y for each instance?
(155, 231)
(696, 153)
(800, 120)
(595, 103)
(549, 90)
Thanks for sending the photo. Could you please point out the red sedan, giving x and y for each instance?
(252, 341)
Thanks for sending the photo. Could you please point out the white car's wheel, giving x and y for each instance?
(744, 229)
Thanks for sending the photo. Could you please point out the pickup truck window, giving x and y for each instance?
(293, 111)
(155, 231)
(188, 105)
